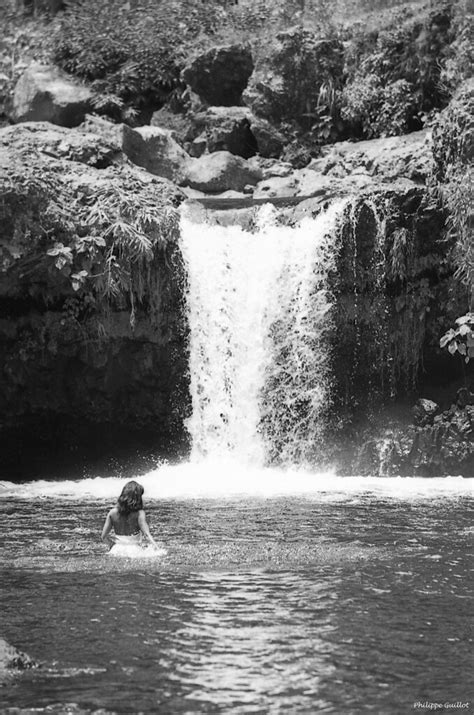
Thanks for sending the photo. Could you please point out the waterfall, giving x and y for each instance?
(259, 310)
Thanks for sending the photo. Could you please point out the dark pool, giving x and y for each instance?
(336, 602)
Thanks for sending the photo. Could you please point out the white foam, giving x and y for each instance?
(216, 479)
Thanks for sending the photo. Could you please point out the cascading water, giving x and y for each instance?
(259, 305)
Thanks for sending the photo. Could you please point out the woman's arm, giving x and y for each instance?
(142, 523)
(106, 535)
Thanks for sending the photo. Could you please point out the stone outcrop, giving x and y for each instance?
(233, 129)
(348, 167)
(12, 660)
(222, 129)
(45, 94)
(386, 159)
(59, 143)
(221, 171)
(220, 75)
(156, 151)
(438, 443)
(286, 84)
(73, 363)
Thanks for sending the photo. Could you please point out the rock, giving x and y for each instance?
(74, 361)
(403, 163)
(13, 659)
(453, 141)
(45, 94)
(385, 160)
(464, 397)
(424, 412)
(156, 151)
(286, 83)
(221, 171)
(110, 133)
(270, 141)
(271, 167)
(439, 445)
(220, 75)
(177, 123)
(60, 143)
(224, 129)
(301, 182)
(197, 147)
(233, 129)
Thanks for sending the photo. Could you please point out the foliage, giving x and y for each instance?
(131, 52)
(96, 243)
(299, 83)
(453, 146)
(380, 110)
(461, 338)
(22, 39)
(392, 74)
(460, 54)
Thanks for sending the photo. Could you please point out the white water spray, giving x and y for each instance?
(259, 357)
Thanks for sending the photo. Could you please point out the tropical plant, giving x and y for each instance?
(132, 53)
(461, 338)
(95, 241)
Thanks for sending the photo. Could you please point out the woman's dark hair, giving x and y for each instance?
(130, 498)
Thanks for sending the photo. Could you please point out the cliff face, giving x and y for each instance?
(85, 364)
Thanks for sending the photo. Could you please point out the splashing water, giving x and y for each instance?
(259, 314)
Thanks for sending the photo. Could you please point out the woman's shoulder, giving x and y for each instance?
(114, 511)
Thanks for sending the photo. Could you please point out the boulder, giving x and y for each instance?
(13, 659)
(224, 129)
(220, 75)
(424, 412)
(387, 159)
(272, 167)
(221, 171)
(445, 447)
(60, 143)
(44, 93)
(109, 132)
(237, 130)
(156, 151)
(270, 141)
(287, 81)
(177, 123)
(403, 163)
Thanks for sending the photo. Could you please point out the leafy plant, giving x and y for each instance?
(453, 145)
(393, 72)
(132, 53)
(96, 241)
(461, 338)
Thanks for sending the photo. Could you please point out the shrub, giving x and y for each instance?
(392, 74)
(95, 242)
(22, 39)
(461, 338)
(374, 109)
(299, 80)
(453, 148)
(131, 52)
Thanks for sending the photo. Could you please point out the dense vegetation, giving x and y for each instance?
(399, 63)
(91, 245)
(387, 80)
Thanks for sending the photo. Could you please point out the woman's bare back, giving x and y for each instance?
(125, 524)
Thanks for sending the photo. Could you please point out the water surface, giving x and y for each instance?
(352, 598)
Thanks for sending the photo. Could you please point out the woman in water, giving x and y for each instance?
(128, 520)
